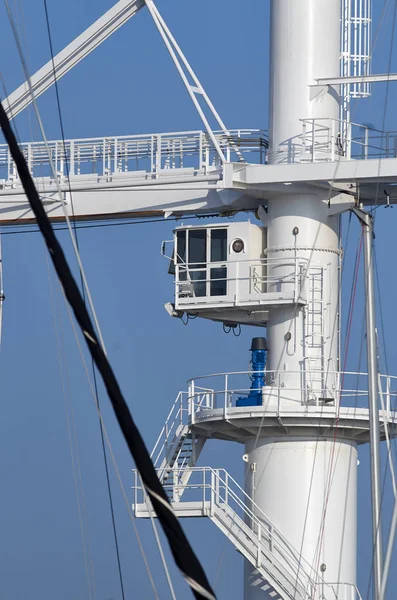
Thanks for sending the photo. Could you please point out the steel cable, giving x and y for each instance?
(183, 553)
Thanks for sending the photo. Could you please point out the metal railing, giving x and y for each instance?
(248, 280)
(222, 499)
(177, 417)
(152, 153)
(342, 591)
(349, 389)
(222, 390)
(333, 139)
(215, 488)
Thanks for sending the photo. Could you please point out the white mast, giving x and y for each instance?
(293, 473)
(298, 532)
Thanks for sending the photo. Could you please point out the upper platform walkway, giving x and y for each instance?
(160, 155)
(333, 139)
(109, 177)
(152, 157)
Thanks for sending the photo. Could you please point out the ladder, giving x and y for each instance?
(356, 46)
(314, 336)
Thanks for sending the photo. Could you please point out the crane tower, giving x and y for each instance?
(294, 518)
(298, 530)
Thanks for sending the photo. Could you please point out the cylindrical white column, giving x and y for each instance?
(304, 44)
(305, 485)
(308, 488)
(303, 337)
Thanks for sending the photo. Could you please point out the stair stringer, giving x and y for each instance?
(180, 457)
(274, 575)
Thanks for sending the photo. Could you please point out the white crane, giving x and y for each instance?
(283, 274)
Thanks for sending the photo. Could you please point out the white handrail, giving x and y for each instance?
(112, 155)
(217, 489)
(217, 390)
(257, 279)
(168, 430)
(329, 139)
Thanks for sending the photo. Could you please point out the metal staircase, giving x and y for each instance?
(273, 575)
(213, 493)
(177, 448)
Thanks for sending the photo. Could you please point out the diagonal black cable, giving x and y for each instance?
(181, 549)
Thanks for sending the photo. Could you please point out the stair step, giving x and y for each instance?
(245, 540)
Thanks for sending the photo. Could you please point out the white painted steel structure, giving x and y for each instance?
(356, 48)
(314, 166)
(65, 60)
(305, 341)
(278, 565)
(356, 24)
(208, 409)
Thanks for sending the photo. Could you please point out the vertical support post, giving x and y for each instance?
(296, 278)
(303, 136)
(8, 164)
(388, 397)
(56, 159)
(207, 155)
(204, 472)
(313, 138)
(158, 155)
(116, 158)
(367, 224)
(347, 149)
(212, 497)
(71, 164)
(152, 167)
(259, 549)
(191, 399)
(30, 167)
(201, 150)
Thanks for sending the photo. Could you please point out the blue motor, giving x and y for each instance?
(258, 361)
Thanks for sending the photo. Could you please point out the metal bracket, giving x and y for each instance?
(317, 92)
(364, 217)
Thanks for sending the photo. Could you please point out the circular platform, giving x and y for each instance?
(241, 423)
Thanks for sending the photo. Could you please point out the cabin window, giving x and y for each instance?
(218, 245)
(197, 259)
(181, 246)
(218, 275)
(196, 252)
(218, 281)
(197, 247)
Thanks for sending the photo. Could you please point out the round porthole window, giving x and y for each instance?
(238, 246)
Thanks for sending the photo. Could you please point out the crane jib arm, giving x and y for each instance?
(71, 55)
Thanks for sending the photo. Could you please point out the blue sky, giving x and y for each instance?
(129, 85)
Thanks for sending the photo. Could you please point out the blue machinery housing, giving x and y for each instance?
(258, 361)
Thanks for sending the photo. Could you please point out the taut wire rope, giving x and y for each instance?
(111, 504)
(184, 556)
